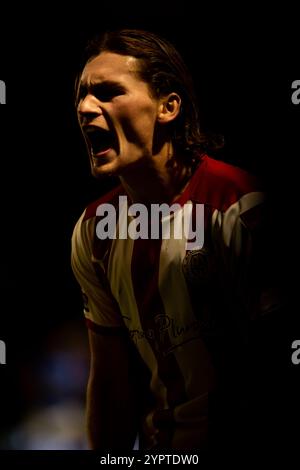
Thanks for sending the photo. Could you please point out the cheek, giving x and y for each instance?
(139, 127)
(137, 119)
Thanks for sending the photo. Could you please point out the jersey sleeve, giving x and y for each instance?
(100, 308)
(244, 234)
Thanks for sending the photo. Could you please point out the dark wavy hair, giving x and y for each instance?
(163, 69)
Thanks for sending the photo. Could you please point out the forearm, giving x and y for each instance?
(111, 417)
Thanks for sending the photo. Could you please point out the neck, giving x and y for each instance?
(161, 179)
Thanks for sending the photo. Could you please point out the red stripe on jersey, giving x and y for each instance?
(218, 184)
(101, 248)
(145, 275)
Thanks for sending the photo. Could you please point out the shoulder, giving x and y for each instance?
(87, 218)
(220, 185)
(112, 197)
(84, 239)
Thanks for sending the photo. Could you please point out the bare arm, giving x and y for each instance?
(111, 417)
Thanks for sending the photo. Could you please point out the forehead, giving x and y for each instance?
(110, 66)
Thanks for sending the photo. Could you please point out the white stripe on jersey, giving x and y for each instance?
(228, 219)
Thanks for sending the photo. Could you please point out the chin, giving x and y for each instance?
(106, 169)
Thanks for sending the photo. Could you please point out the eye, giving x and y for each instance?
(106, 93)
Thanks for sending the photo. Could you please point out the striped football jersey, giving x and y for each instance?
(180, 305)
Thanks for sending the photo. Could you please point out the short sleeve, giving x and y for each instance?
(100, 307)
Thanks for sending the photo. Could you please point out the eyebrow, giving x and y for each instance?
(101, 85)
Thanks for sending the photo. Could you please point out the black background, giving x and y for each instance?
(243, 70)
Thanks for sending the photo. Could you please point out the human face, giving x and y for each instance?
(117, 114)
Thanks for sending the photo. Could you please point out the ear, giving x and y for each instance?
(169, 108)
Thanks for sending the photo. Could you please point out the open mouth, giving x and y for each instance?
(99, 140)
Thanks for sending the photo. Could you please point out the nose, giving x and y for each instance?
(89, 106)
